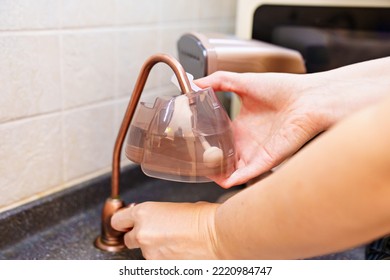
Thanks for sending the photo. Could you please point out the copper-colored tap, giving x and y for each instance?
(110, 239)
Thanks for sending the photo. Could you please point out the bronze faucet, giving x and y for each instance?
(110, 239)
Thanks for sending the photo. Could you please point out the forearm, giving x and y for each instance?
(333, 195)
(348, 89)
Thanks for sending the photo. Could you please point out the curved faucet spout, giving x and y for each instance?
(110, 239)
(139, 86)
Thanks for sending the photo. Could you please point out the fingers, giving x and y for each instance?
(238, 177)
(131, 241)
(244, 173)
(222, 81)
(123, 220)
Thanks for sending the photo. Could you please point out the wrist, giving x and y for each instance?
(206, 220)
(323, 101)
(341, 93)
(224, 245)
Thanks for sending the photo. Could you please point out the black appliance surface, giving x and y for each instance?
(327, 37)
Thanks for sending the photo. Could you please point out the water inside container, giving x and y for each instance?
(184, 138)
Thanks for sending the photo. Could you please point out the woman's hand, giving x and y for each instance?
(280, 112)
(165, 230)
(277, 117)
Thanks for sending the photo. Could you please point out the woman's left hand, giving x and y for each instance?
(165, 230)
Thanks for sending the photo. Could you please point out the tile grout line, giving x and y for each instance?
(104, 28)
(162, 89)
(63, 134)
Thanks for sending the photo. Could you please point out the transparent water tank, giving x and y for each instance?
(186, 138)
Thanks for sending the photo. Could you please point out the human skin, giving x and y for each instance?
(281, 112)
(332, 195)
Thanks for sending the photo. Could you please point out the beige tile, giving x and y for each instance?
(29, 15)
(217, 8)
(222, 25)
(29, 76)
(88, 140)
(171, 34)
(31, 157)
(87, 13)
(88, 67)
(134, 47)
(136, 12)
(179, 10)
(120, 109)
(169, 37)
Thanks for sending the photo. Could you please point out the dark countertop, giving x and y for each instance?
(64, 225)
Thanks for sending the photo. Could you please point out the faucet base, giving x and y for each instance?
(115, 247)
(110, 239)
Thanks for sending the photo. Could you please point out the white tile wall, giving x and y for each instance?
(67, 70)
(133, 47)
(87, 67)
(29, 15)
(217, 9)
(132, 12)
(88, 139)
(87, 13)
(29, 76)
(178, 10)
(31, 157)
